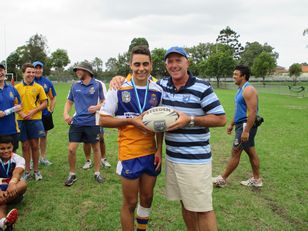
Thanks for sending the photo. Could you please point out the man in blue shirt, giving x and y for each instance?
(246, 109)
(84, 94)
(47, 112)
(9, 103)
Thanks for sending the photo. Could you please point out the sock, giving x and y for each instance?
(72, 173)
(142, 218)
(2, 220)
(97, 173)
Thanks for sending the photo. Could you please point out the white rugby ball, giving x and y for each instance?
(158, 119)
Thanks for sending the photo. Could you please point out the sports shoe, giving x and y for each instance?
(105, 163)
(87, 165)
(99, 178)
(219, 181)
(252, 182)
(26, 176)
(45, 162)
(38, 176)
(70, 180)
(10, 219)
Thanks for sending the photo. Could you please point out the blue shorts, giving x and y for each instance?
(83, 134)
(238, 133)
(31, 129)
(134, 168)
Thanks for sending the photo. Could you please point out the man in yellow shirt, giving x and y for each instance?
(34, 100)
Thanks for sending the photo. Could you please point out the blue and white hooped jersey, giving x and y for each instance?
(190, 145)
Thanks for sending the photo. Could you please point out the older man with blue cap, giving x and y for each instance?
(47, 112)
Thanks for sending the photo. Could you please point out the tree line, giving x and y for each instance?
(208, 60)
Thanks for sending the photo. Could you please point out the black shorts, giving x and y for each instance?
(15, 141)
(83, 134)
(238, 133)
(48, 122)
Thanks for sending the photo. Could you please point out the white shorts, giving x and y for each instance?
(192, 184)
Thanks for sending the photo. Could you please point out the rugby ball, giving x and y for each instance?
(158, 119)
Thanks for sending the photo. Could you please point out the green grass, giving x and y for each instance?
(282, 204)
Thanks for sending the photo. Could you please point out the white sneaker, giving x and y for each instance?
(38, 176)
(87, 165)
(105, 163)
(219, 181)
(252, 182)
(45, 162)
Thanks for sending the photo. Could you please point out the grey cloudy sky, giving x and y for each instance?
(104, 28)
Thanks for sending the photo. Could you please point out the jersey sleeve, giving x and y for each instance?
(42, 94)
(111, 104)
(17, 99)
(20, 161)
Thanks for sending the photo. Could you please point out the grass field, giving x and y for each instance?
(282, 204)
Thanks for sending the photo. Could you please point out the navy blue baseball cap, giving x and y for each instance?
(178, 50)
(38, 63)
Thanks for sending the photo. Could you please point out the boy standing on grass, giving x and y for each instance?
(139, 152)
(9, 104)
(12, 187)
(34, 100)
(47, 112)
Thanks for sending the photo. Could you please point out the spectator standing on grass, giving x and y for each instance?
(34, 100)
(47, 112)
(84, 95)
(246, 109)
(9, 104)
(87, 147)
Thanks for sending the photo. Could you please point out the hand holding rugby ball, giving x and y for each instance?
(158, 119)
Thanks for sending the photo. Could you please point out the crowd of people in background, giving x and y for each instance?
(188, 152)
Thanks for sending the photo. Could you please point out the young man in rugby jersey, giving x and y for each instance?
(246, 109)
(139, 151)
(188, 152)
(47, 112)
(34, 100)
(9, 104)
(12, 187)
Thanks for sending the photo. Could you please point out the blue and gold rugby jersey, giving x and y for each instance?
(122, 103)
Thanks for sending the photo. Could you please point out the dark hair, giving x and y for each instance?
(140, 50)
(244, 71)
(6, 140)
(25, 66)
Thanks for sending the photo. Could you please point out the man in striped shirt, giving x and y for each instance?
(189, 169)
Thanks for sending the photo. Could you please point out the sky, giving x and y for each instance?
(105, 28)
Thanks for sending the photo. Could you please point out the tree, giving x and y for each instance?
(252, 50)
(159, 69)
(111, 66)
(35, 49)
(229, 37)
(263, 65)
(97, 64)
(198, 54)
(219, 64)
(59, 59)
(295, 71)
(137, 42)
